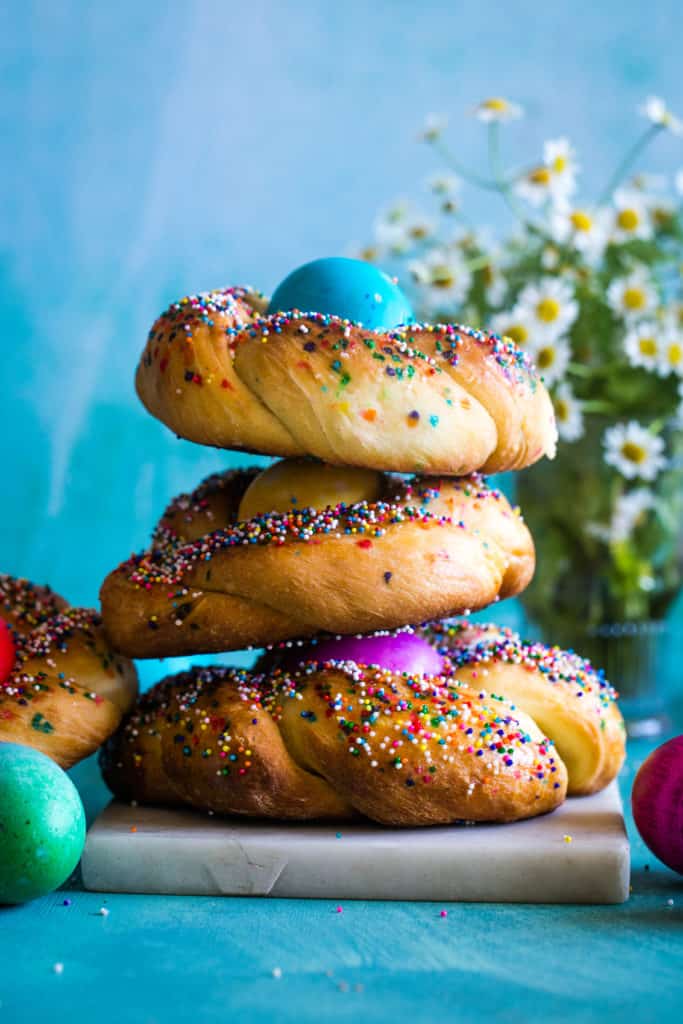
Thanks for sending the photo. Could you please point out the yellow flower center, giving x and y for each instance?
(442, 277)
(647, 346)
(548, 310)
(675, 353)
(369, 254)
(545, 357)
(559, 164)
(628, 220)
(539, 176)
(580, 220)
(634, 298)
(496, 103)
(517, 332)
(633, 452)
(419, 231)
(561, 410)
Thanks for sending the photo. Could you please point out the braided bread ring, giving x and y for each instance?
(434, 399)
(331, 740)
(67, 691)
(424, 549)
(569, 699)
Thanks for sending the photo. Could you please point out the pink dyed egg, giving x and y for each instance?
(7, 651)
(403, 652)
(657, 801)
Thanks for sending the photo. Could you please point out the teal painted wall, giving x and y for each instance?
(149, 149)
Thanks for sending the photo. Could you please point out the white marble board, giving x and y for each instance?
(152, 850)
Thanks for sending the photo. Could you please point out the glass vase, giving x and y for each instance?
(605, 587)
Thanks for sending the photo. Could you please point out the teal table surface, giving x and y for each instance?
(158, 958)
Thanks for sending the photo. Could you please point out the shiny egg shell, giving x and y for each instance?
(400, 652)
(351, 289)
(42, 824)
(657, 801)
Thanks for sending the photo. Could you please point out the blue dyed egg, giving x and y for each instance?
(42, 824)
(351, 289)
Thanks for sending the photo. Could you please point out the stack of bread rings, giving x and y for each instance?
(353, 562)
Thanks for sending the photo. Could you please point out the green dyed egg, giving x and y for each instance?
(42, 824)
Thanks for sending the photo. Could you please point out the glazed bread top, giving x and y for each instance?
(401, 551)
(436, 399)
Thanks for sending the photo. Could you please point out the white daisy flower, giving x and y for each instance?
(559, 155)
(644, 181)
(568, 413)
(420, 228)
(629, 512)
(634, 451)
(631, 217)
(656, 111)
(390, 226)
(633, 296)
(495, 284)
(514, 325)
(673, 316)
(443, 278)
(550, 258)
(678, 415)
(434, 127)
(534, 186)
(671, 354)
(496, 108)
(662, 211)
(554, 179)
(643, 345)
(444, 184)
(551, 356)
(549, 306)
(586, 229)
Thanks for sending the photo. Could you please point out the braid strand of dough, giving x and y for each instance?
(333, 740)
(439, 399)
(423, 549)
(569, 699)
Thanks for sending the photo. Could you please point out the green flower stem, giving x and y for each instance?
(599, 406)
(464, 172)
(478, 262)
(580, 370)
(503, 184)
(633, 153)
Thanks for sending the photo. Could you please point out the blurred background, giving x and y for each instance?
(149, 150)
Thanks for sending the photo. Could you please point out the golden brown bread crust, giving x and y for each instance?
(435, 399)
(330, 741)
(569, 699)
(426, 549)
(68, 690)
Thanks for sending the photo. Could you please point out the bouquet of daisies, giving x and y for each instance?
(592, 290)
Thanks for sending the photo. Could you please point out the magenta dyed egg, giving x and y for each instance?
(657, 801)
(402, 652)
